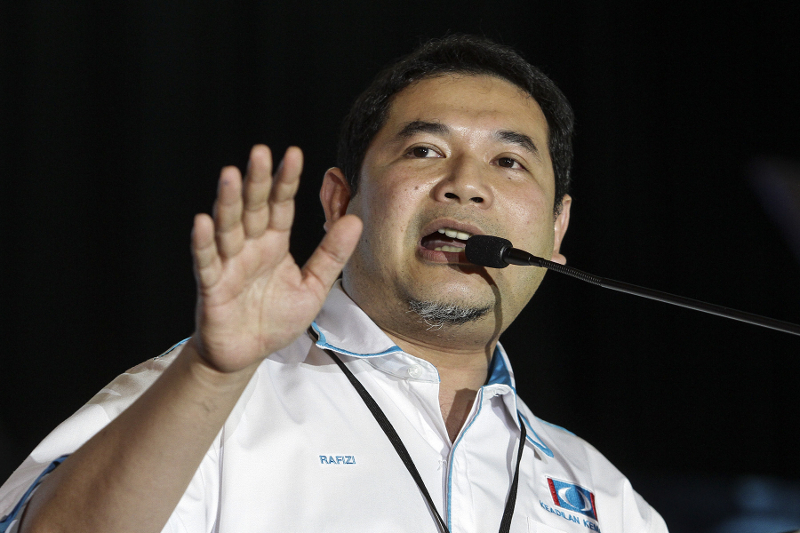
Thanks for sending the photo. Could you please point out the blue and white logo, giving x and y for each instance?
(572, 497)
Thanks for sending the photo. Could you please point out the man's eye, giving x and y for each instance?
(508, 162)
(422, 151)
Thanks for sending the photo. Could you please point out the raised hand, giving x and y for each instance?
(253, 299)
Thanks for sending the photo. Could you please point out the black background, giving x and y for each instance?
(117, 118)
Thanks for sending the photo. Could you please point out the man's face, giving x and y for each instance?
(457, 153)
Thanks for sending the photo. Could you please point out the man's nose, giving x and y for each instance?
(466, 182)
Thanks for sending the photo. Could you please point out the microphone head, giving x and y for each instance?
(487, 250)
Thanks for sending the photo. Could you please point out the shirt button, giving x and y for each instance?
(414, 371)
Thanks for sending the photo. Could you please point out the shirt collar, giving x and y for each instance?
(500, 372)
(343, 327)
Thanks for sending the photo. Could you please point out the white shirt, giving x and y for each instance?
(301, 451)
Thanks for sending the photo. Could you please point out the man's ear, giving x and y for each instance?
(560, 227)
(334, 195)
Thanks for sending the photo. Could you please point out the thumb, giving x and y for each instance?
(328, 260)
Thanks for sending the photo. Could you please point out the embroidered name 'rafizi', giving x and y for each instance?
(337, 459)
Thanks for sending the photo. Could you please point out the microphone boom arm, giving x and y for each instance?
(496, 252)
(516, 257)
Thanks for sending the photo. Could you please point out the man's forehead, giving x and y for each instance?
(430, 100)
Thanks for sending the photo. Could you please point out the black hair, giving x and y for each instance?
(457, 54)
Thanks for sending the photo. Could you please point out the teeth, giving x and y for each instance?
(455, 234)
(449, 249)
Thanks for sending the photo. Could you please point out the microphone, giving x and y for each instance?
(496, 252)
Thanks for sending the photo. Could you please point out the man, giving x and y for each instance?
(386, 402)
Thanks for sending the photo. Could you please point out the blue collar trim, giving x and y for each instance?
(498, 371)
(323, 343)
(538, 442)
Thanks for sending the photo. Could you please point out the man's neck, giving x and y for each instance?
(461, 353)
(462, 372)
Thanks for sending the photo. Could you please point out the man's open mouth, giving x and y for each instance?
(446, 240)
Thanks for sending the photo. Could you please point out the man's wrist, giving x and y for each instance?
(207, 375)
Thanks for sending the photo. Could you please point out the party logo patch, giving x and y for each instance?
(572, 497)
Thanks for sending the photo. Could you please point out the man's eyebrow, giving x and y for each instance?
(520, 139)
(421, 126)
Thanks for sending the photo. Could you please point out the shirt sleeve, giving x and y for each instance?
(85, 423)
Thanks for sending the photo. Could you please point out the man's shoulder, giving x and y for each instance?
(571, 463)
(570, 451)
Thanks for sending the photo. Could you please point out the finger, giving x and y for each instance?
(284, 188)
(207, 264)
(257, 187)
(329, 258)
(228, 212)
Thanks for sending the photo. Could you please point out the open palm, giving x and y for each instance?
(253, 299)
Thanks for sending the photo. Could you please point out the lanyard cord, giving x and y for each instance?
(394, 438)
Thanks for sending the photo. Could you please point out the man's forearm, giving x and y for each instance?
(252, 300)
(132, 474)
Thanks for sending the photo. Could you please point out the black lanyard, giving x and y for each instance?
(394, 438)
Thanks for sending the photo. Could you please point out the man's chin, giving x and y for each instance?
(437, 314)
